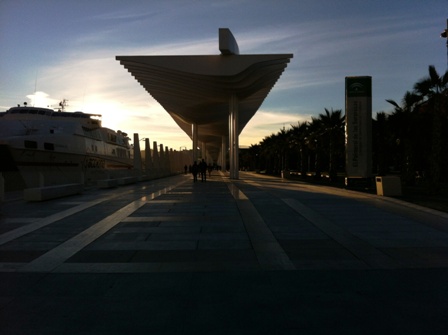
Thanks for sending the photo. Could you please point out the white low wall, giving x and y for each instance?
(51, 192)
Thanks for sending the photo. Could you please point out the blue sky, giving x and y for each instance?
(51, 50)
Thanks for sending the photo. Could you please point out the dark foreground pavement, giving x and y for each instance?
(253, 256)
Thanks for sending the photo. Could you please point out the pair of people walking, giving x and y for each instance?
(200, 168)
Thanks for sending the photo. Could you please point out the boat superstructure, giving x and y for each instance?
(51, 147)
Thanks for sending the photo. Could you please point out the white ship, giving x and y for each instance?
(52, 147)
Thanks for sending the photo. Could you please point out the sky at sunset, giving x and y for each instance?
(54, 50)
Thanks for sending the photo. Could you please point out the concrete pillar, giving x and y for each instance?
(137, 155)
(155, 159)
(148, 160)
(168, 157)
(194, 130)
(204, 151)
(233, 136)
(174, 161)
(224, 144)
(162, 160)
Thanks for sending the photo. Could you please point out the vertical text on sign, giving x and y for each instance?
(358, 126)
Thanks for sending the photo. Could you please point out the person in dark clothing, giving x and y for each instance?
(203, 169)
(210, 168)
(194, 171)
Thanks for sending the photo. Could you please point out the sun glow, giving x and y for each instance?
(41, 99)
(112, 113)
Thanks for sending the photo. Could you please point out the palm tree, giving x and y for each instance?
(299, 135)
(402, 128)
(282, 148)
(266, 152)
(380, 142)
(314, 145)
(332, 130)
(254, 151)
(273, 149)
(431, 91)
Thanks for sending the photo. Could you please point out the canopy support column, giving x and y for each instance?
(194, 130)
(224, 143)
(233, 136)
(204, 151)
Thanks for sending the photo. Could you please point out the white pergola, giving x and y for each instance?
(210, 97)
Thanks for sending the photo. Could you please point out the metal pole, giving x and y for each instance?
(444, 35)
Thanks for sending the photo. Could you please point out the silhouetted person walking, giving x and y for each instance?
(194, 171)
(210, 168)
(203, 169)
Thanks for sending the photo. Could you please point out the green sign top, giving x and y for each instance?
(358, 86)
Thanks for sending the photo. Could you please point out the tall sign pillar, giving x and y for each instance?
(358, 126)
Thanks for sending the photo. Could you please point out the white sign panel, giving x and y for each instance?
(358, 126)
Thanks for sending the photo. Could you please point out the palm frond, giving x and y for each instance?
(433, 75)
(392, 102)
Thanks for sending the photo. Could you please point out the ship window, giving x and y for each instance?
(49, 146)
(112, 137)
(30, 144)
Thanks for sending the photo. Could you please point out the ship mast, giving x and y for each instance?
(63, 104)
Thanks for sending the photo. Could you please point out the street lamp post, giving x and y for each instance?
(444, 35)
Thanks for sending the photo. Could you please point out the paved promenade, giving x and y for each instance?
(258, 255)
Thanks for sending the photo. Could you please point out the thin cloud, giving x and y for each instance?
(394, 44)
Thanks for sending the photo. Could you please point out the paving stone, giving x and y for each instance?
(200, 260)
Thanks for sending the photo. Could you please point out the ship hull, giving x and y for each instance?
(39, 168)
(53, 148)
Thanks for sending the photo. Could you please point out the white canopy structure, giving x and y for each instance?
(211, 97)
